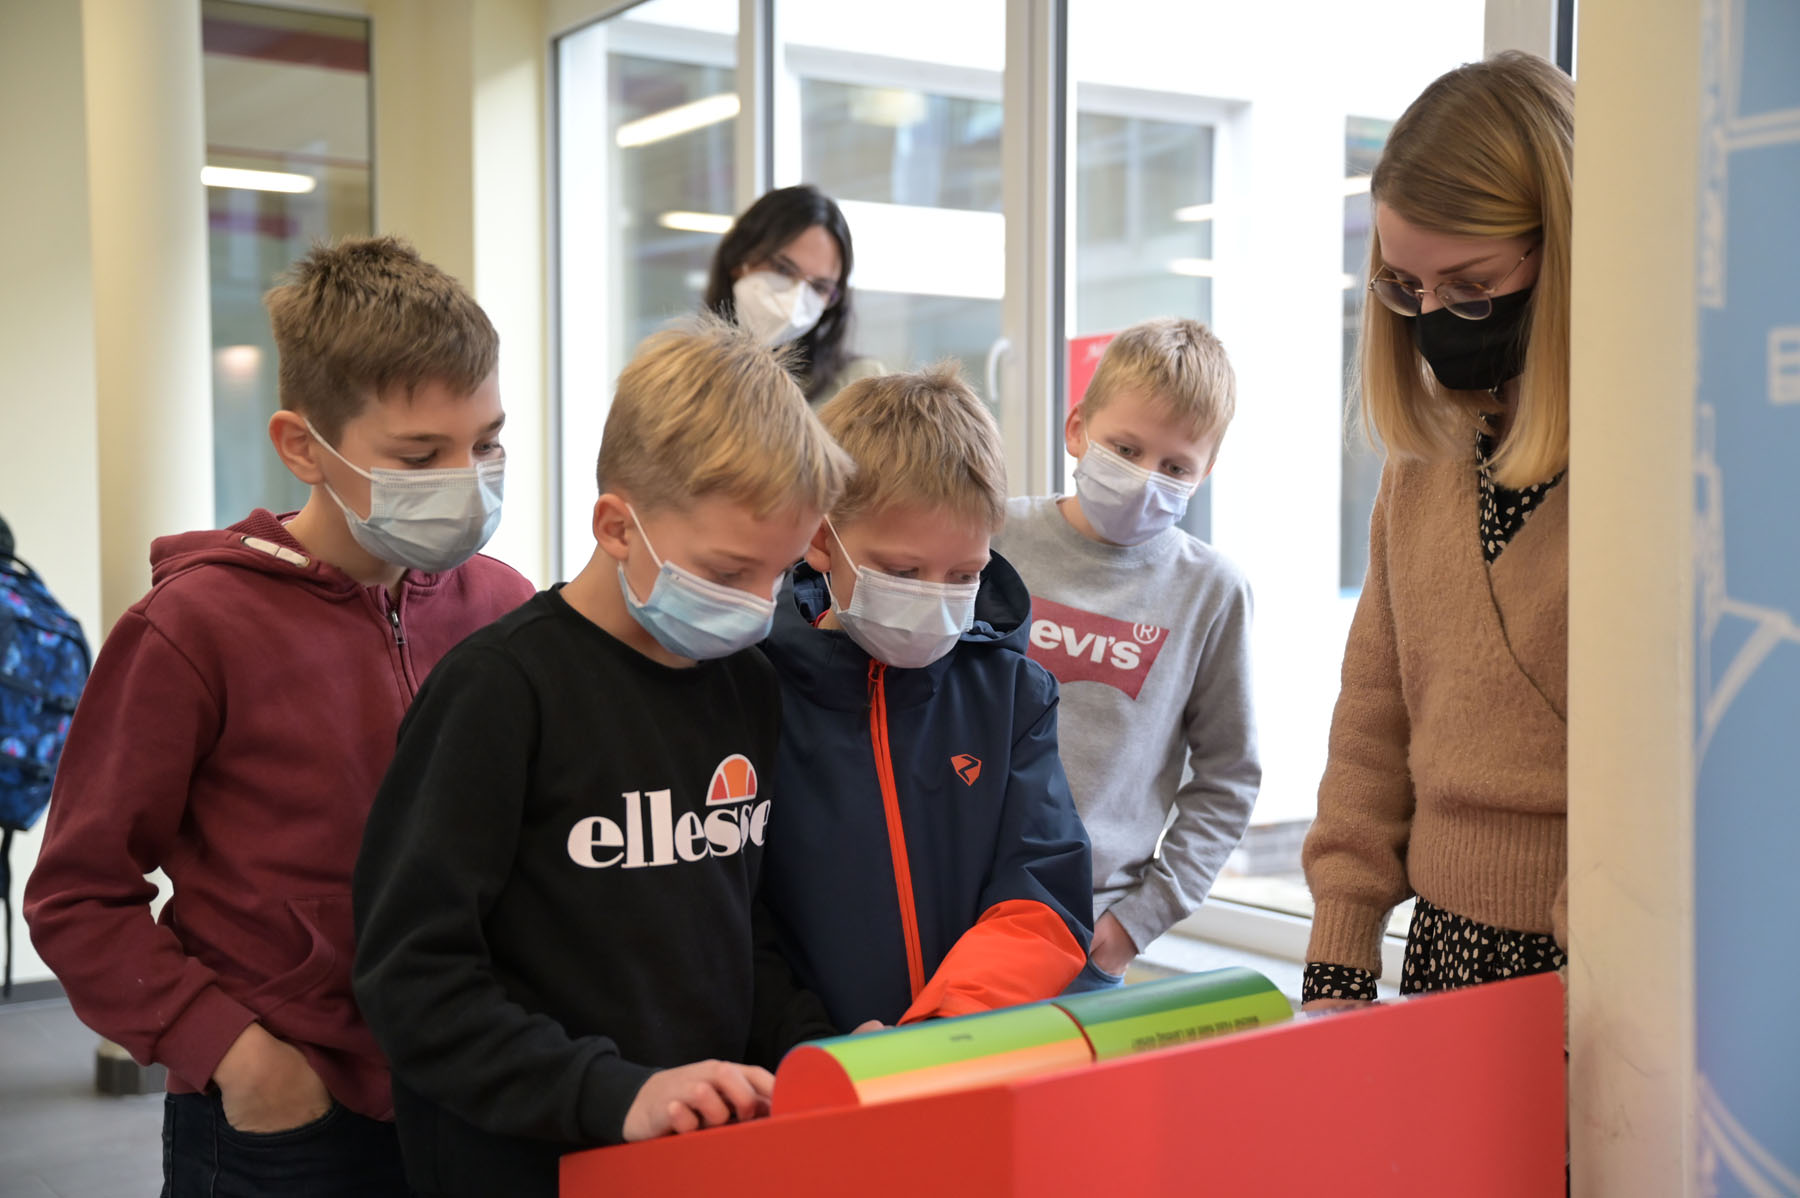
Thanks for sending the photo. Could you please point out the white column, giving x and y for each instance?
(152, 325)
(49, 484)
(459, 171)
(511, 253)
(1631, 577)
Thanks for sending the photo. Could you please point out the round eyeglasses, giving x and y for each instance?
(1471, 301)
(825, 289)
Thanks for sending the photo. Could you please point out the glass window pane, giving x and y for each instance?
(287, 155)
(647, 112)
(902, 127)
(1215, 176)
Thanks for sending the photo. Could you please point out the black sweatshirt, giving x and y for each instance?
(554, 896)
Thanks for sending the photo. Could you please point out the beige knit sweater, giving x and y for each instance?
(1447, 772)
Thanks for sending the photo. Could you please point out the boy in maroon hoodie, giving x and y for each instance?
(241, 716)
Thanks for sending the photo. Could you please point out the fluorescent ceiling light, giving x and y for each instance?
(1356, 185)
(1193, 268)
(243, 180)
(673, 122)
(1197, 212)
(695, 222)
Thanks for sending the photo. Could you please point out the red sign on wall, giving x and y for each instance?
(1084, 358)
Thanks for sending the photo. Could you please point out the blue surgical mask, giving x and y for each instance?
(904, 622)
(429, 520)
(694, 618)
(1126, 503)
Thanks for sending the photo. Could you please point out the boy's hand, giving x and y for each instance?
(868, 1025)
(265, 1085)
(1112, 949)
(704, 1094)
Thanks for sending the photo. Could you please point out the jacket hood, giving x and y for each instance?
(834, 668)
(259, 542)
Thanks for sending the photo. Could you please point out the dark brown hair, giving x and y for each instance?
(759, 234)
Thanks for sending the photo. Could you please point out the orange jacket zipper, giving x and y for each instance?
(890, 802)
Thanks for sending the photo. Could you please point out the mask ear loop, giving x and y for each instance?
(853, 567)
(654, 556)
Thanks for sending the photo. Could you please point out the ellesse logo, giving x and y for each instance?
(1084, 646)
(732, 819)
(733, 782)
(967, 768)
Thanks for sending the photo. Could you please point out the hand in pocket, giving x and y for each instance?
(266, 1086)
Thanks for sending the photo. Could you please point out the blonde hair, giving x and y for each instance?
(1176, 364)
(1485, 151)
(703, 409)
(354, 319)
(921, 438)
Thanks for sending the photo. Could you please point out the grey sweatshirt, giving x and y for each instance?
(1151, 644)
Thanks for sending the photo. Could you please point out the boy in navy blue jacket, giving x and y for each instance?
(928, 860)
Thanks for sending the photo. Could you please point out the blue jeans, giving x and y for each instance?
(341, 1154)
(1092, 978)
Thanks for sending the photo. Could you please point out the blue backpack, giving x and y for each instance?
(43, 664)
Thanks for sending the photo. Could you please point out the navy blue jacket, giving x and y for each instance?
(927, 859)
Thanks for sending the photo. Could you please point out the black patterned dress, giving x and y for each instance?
(1445, 951)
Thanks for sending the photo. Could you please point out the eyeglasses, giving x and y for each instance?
(1471, 301)
(825, 289)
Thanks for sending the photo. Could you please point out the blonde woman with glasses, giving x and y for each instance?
(1446, 775)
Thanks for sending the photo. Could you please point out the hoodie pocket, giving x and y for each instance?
(325, 928)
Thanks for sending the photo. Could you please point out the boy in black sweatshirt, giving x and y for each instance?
(556, 946)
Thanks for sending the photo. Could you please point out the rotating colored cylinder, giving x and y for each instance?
(929, 1058)
(1175, 1011)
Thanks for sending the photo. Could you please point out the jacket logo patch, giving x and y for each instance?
(733, 782)
(1084, 646)
(967, 768)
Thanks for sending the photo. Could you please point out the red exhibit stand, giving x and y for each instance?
(1455, 1094)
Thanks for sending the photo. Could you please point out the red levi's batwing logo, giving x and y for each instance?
(1083, 646)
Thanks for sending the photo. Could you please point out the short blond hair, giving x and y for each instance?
(921, 438)
(1176, 364)
(357, 318)
(1485, 151)
(702, 409)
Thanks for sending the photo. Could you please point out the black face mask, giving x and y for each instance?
(1475, 355)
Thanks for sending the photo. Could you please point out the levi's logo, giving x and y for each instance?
(1084, 646)
(653, 835)
(967, 768)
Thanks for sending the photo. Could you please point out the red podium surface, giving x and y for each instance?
(1455, 1094)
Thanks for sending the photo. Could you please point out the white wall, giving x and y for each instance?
(49, 482)
(1630, 599)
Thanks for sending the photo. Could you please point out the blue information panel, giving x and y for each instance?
(1747, 664)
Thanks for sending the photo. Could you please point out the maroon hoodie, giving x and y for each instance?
(237, 724)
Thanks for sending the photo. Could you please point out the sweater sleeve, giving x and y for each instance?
(1355, 854)
(1212, 809)
(785, 1013)
(437, 852)
(1037, 907)
(144, 721)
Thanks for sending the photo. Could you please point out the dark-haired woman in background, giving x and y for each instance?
(783, 273)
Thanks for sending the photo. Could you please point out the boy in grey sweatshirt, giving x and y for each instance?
(1148, 630)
